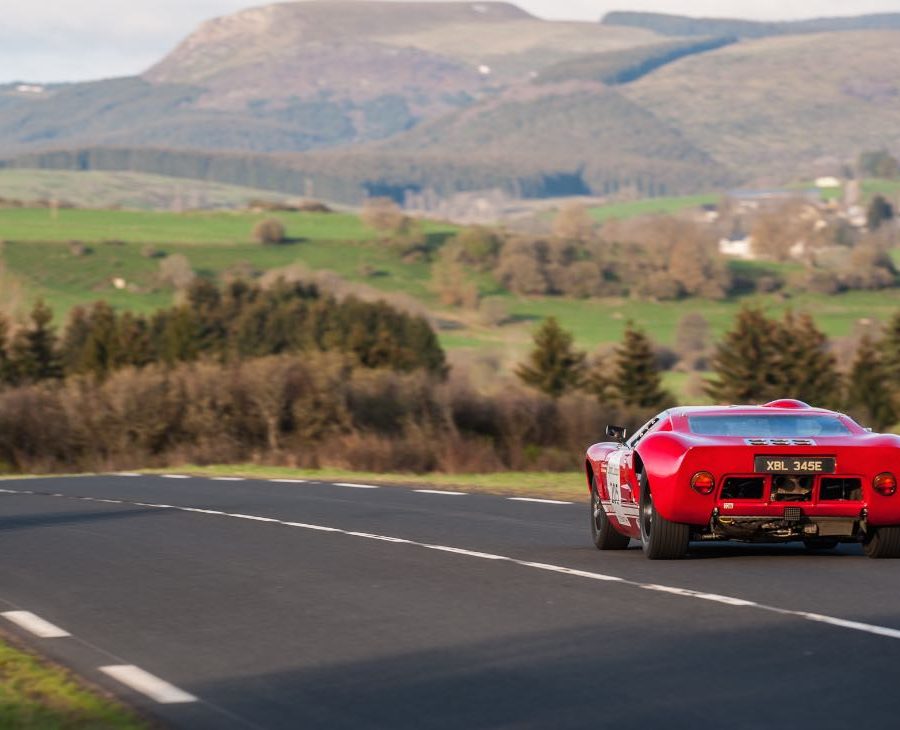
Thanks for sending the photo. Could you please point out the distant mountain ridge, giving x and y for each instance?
(347, 99)
(683, 25)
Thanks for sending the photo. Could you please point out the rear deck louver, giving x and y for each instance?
(779, 442)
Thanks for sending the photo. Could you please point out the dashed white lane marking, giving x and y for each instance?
(126, 474)
(539, 501)
(288, 481)
(228, 479)
(356, 486)
(35, 625)
(732, 601)
(441, 491)
(147, 684)
(175, 476)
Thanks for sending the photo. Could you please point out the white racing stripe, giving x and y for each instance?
(539, 501)
(731, 601)
(147, 684)
(441, 491)
(356, 486)
(35, 625)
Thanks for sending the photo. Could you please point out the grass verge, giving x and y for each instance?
(548, 485)
(36, 695)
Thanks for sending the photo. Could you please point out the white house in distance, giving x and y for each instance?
(826, 183)
(738, 247)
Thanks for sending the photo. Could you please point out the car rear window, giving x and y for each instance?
(767, 426)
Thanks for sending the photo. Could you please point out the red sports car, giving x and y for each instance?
(775, 473)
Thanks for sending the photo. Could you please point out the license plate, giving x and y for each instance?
(794, 465)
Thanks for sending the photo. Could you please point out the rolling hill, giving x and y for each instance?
(306, 75)
(348, 99)
(772, 106)
(681, 25)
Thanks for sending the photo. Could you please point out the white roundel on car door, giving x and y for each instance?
(614, 484)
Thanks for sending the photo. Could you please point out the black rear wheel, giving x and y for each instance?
(882, 542)
(604, 535)
(661, 539)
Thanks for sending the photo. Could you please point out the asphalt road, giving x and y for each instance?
(281, 605)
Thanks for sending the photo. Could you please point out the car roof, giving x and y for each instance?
(776, 408)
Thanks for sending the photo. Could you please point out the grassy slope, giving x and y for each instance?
(37, 696)
(93, 189)
(38, 259)
(761, 107)
(36, 254)
(651, 206)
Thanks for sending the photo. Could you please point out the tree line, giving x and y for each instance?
(667, 258)
(760, 359)
(238, 322)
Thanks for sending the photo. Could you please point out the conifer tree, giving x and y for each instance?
(134, 340)
(880, 211)
(744, 362)
(803, 368)
(637, 381)
(6, 375)
(889, 352)
(73, 341)
(102, 352)
(34, 350)
(554, 366)
(869, 398)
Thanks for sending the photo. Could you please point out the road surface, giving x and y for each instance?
(263, 604)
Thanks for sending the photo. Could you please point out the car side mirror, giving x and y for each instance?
(617, 433)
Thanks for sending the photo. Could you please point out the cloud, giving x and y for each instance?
(56, 40)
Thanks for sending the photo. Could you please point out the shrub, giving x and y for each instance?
(269, 231)
(176, 271)
(384, 215)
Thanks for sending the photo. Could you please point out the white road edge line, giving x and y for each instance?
(539, 501)
(35, 625)
(288, 481)
(175, 476)
(147, 684)
(732, 601)
(441, 491)
(356, 486)
(126, 474)
(228, 479)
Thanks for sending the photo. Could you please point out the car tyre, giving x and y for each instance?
(661, 539)
(604, 535)
(882, 542)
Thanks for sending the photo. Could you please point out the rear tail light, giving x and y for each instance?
(703, 482)
(885, 484)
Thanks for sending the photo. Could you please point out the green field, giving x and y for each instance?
(96, 189)
(652, 206)
(37, 254)
(38, 224)
(36, 261)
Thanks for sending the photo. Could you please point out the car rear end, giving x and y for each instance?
(820, 489)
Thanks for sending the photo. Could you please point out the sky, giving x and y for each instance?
(75, 40)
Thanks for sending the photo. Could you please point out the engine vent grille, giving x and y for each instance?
(779, 442)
